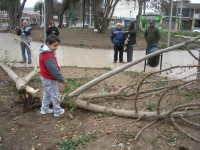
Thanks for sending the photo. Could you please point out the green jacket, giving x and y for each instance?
(152, 35)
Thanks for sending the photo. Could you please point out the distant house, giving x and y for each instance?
(125, 12)
(190, 17)
(29, 15)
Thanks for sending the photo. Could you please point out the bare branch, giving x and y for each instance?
(190, 136)
(145, 128)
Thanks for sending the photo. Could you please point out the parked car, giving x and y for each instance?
(196, 30)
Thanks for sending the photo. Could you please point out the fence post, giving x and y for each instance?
(198, 68)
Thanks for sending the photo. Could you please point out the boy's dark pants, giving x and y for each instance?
(120, 49)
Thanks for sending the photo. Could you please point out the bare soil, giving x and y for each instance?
(30, 130)
(87, 38)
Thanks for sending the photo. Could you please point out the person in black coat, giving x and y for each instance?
(52, 29)
(130, 40)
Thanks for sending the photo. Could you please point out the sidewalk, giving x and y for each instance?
(96, 58)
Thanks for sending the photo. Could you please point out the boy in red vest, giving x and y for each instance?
(49, 73)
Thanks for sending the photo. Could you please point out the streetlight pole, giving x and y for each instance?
(44, 21)
(179, 26)
(170, 22)
(130, 14)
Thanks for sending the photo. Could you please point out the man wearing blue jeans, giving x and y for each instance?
(25, 36)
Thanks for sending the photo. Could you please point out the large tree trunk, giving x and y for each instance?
(49, 12)
(96, 12)
(65, 6)
(107, 14)
(15, 8)
(83, 13)
(140, 3)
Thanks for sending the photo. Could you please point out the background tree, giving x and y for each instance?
(84, 2)
(107, 13)
(96, 5)
(14, 8)
(65, 6)
(49, 12)
(38, 7)
(56, 8)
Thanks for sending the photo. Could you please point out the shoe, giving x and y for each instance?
(62, 111)
(122, 62)
(29, 62)
(114, 61)
(49, 111)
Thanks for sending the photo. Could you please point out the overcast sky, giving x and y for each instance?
(31, 3)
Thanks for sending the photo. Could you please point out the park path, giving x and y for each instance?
(97, 58)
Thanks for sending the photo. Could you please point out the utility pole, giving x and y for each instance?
(44, 21)
(170, 22)
(90, 21)
(179, 26)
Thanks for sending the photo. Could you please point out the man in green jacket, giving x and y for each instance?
(152, 34)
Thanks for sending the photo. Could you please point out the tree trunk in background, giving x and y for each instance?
(144, 9)
(15, 9)
(65, 6)
(60, 19)
(49, 12)
(96, 11)
(140, 3)
(83, 13)
(107, 14)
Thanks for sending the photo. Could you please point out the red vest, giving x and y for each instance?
(43, 69)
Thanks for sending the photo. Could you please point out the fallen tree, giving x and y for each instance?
(27, 95)
(141, 88)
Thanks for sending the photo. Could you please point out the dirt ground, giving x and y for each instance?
(86, 38)
(32, 131)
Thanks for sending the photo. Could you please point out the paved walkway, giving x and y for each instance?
(96, 58)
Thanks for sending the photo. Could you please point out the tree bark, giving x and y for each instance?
(107, 14)
(140, 3)
(83, 13)
(64, 7)
(15, 9)
(96, 12)
(49, 12)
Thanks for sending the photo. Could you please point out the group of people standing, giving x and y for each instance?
(120, 38)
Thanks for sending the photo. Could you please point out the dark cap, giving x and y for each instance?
(151, 21)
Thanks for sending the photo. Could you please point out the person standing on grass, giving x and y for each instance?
(152, 34)
(52, 29)
(25, 35)
(117, 37)
(130, 35)
(49, 73)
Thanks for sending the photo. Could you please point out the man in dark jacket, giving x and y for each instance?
(152, 34)
(117, 37)
(25, 34)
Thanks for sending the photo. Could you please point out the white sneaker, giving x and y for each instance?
(49, 111)
(62, 111)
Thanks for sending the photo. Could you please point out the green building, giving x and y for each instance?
(146, 18)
